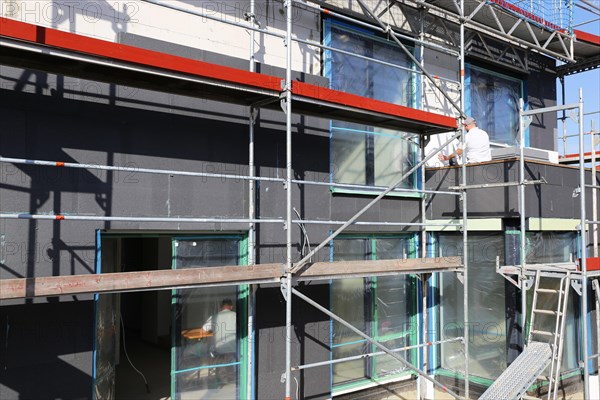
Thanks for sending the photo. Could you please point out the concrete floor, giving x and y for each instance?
(153, 361)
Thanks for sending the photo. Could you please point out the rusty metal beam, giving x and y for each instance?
(21, 288)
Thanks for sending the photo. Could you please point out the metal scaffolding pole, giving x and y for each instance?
(286, 283)
(374, 342)
(523, 280)
(583, 238)
(594, 193)
(377, 353)
(421, 354)
(252, 177)
(251, 201)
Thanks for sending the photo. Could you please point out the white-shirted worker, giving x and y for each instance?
(476, 144)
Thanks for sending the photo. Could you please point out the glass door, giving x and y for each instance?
(209, 324)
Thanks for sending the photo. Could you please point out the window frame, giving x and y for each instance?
(469, 66)
(328, 23)
(371, 326)
(241, 299)
(437, 354)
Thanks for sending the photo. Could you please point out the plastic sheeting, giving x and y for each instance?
(487, 319)
(363, 154)
(200, 369)
(379, 307)
(495, 104)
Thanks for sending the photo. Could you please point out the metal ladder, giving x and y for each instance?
(543, 349)
(555, 339)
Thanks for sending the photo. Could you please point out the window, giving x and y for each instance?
(210, 324)
(364, 154)
(493, 100)
(381, 307)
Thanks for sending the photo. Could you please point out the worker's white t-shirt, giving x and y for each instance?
(477, 146)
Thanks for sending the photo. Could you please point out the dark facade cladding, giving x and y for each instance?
(554, 199)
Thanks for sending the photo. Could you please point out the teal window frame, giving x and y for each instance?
(242, 299)
(411, 333)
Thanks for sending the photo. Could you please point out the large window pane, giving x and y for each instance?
(364, 154)
(349, 162)
(495, 104)
(380, 307)
(208, 325)
(486, 306)
(393, 158)
(348, 301)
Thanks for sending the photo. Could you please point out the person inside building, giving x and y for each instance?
(223, 326)
(476, 144)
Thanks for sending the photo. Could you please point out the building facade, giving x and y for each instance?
(173, 97)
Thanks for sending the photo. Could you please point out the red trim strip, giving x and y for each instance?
(587, 37)
(576, 155)
(82, 44)
(352, 100)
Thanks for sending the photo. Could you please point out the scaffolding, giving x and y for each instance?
(550, 39)
(575, 274)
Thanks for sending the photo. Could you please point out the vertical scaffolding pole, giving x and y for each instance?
(594, 192)
(464, 204)
(584, 277)
(251, 208)
(287, 287)
(564, 116)
(523, 277)
(421, 352)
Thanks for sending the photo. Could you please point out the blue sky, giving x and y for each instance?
(589, 81)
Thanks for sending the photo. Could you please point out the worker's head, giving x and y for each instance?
(469, 123)
(227, 304)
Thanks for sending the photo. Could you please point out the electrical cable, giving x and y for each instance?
(127, 355)
(302, 227)
(297, 388)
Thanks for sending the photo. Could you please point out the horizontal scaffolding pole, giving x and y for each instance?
(67, 217)
(379, 353)
(374, 342)
(62, 217)
(550, 109)
(385, 223)
(213, 276)
(499, 184)
(212, 175)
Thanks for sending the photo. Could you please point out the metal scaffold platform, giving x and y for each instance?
(521, 374)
